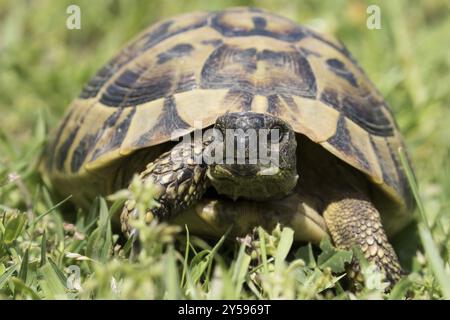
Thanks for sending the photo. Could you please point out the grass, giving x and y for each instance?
(44, 256)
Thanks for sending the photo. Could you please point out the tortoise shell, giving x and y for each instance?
(197, 66)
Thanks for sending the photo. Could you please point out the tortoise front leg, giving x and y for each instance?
(353, 221)
(179, 180)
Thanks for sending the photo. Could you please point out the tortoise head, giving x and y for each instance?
(255, 156)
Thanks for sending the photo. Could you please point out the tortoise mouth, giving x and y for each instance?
(253, 182)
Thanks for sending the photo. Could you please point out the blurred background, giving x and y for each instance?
(43, 66)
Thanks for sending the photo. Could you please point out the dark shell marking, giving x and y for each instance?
(164, 33)
(230, 67)
(290, 103)
(402, 184)
(367, 112)
(213, 42)
(65, 147)
(51, 147)
(88, 142)
(388, 175)
(80, 153)
(178, 51)
(117, 137)
(144, 43)
(133, 88)
(339, 69)
(244, 99)
(137, 87)
(92, 88)
(227, 29)
(274, 107)
(342, 141)
(168, 122)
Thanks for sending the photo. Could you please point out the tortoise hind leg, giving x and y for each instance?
(179, 182)
(354, 221)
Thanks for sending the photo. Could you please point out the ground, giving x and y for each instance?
(44, 65)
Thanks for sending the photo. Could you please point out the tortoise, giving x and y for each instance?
(338, 172)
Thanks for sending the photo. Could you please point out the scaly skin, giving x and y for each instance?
(180, 182)
(352, 221)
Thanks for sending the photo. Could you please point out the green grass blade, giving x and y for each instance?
(240, 270)
(58, 272)
(400, 290)
(50, 283)
(431, 249)
(332, 257)
(213, 254)
(6, 275)
(307, 255)
(413, 184)
(38, 218)
(435, 260)
(284, 246)
(100, 242)
(23, 291)
(14, 228)
(171, 275)
(186, 256)
(262, 241)
(43, 250)
(24, 267)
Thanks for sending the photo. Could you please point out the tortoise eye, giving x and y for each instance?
(275, 128)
